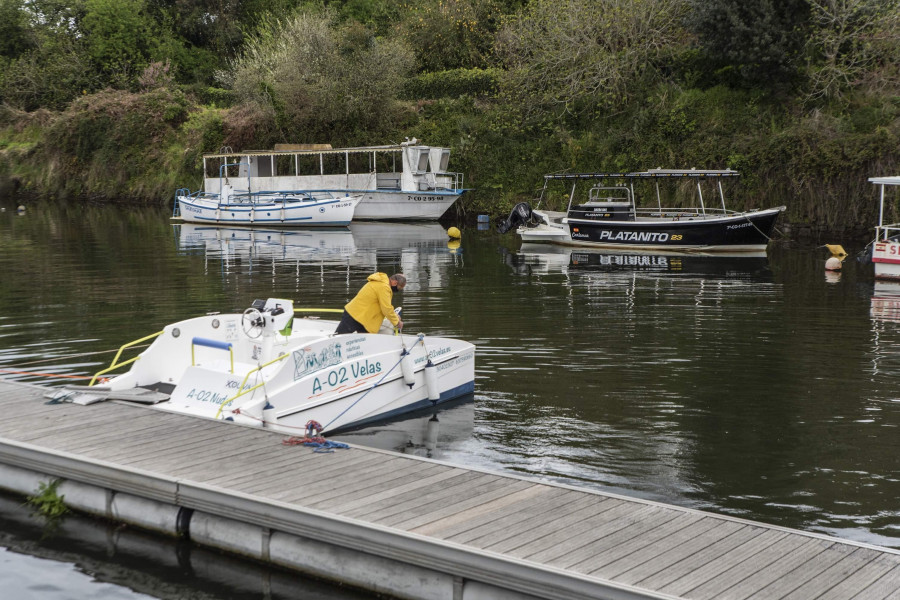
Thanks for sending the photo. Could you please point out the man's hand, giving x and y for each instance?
(400, 324)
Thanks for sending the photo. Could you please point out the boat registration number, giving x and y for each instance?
(363, 369)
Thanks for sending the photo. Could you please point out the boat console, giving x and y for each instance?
(598, 211)
(267, 317)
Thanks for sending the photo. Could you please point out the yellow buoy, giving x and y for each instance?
(454, 233)
(836, 250)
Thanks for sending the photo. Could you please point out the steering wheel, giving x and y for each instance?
(252, 323)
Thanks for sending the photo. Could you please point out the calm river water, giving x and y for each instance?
(754, 386)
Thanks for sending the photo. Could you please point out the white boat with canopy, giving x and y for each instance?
(407, 181)
(886, 246)
(268, 368)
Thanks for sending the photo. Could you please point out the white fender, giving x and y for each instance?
(431, 382)
(406, 365)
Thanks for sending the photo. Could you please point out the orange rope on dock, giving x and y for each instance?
(44, 374)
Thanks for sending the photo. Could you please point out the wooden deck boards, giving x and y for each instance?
(604, 538)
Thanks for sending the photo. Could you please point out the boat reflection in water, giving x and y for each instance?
(301, 244)
(546, 259)
(886, 302)
(428, 433)
(413, 245)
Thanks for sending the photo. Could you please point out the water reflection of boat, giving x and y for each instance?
(547, 259)
(886, 301)
(358, 245)
(429, 433)
(295, 244)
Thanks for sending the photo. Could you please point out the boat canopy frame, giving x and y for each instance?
(883, 230)
(423, 161)
(631, 176)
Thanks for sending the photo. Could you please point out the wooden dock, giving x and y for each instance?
(430, 529)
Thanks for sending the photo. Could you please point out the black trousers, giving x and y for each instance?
(349, 325)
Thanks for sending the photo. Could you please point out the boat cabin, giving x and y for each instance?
(407, 167)
(616, 203)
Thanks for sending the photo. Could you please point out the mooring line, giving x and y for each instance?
(15, 372)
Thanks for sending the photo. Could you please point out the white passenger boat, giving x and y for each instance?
(406, 181)
(265, 208)
(267, 367)
(886, 246)
(603, 212)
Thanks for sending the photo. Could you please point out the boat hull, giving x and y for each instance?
(886, 258)
(403, 206)
(750, 231)
(333, 212)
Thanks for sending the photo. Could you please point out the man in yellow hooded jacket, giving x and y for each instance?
(372, 305)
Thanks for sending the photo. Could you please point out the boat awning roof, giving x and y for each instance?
(649, 174)
(895, 180)
(360, 150)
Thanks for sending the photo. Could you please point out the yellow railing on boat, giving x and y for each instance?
(115, 362)
(326, 310)
(246, 377)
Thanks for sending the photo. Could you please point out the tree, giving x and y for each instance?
(760, 40)
(852, 43)
(452, 34)
(15, 37)
(314, 77)
(51, 67)
(119, 36)
(586, 52)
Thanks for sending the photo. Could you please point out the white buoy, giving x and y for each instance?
(406, 365)
(833, 264)
(431, 382)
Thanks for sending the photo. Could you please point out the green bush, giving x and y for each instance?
(452, 84)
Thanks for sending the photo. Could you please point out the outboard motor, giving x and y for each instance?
(521, 214)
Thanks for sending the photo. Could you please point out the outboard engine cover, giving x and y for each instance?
(521, 213)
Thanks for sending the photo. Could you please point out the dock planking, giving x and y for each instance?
(609, 546)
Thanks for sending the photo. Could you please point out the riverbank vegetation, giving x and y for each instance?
(118, 99)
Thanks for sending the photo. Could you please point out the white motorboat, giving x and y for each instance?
(603, 212)
(265, 208)
(267, 367)
(886, 246)
(407, 181)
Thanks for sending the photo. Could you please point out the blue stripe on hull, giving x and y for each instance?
(304, 221)
(462, 390)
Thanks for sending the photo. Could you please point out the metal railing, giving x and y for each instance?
(244, 382)
(115, 362)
